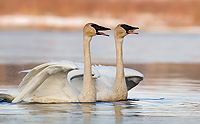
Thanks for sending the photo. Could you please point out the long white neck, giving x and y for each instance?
(119, 58)
(88, 92)
(119, 88)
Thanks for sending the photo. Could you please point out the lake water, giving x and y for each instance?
(169, 93)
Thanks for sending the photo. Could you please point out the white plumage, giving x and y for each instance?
(62, 81)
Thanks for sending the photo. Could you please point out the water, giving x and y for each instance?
(169, 92)
(19, 46)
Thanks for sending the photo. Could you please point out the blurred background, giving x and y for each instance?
(51, 29)
(153, 15)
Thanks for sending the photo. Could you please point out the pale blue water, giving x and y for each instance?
(169, 93)
(40, 46)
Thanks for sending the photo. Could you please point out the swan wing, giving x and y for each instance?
(33, 72)
(104, 84)
(132, 77)
(54, 75)
(104, 78)
(75, 77)
(108, 74)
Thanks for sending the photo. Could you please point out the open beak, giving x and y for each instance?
(100, 28)
(132, 30)
(101, 33)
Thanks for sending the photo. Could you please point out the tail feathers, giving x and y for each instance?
(7, 97)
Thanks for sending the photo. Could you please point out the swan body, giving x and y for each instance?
(48, 82)
(54, 89)
(104, 78)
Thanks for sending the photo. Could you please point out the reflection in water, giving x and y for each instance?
(144, 110)
(119, 107)
(68, 112)
(169, 93)
(88, 109)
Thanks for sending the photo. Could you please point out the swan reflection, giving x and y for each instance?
(79, 112)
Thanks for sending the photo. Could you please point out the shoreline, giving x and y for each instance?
(75, 23)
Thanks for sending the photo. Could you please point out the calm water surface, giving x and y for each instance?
(169, 93)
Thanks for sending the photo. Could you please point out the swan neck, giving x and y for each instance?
(119, 89)
(119, 58)
(88, 93)
(87, 60)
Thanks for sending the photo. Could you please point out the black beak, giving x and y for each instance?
(129, 29)
(100, 28)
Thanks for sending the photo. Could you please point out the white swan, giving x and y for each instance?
(119, 89)
(103, 78)
(47, 83)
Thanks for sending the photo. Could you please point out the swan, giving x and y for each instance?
(103, 77)
(47, 83)
(119, 89)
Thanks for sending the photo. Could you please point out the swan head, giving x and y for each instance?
(123, 29)
(92, 29)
